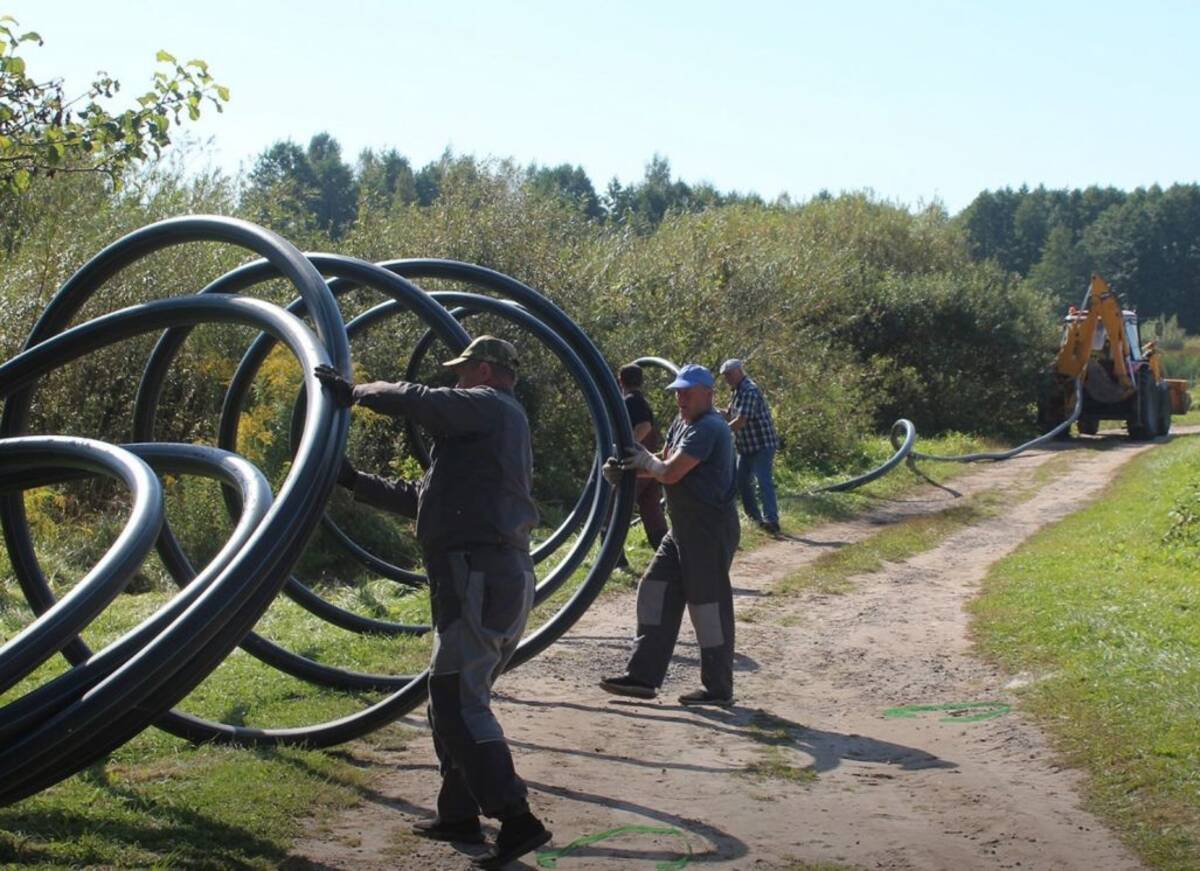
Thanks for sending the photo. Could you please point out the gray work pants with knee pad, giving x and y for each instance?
(481, 598)
(690, 568)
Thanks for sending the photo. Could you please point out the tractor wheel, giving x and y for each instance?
(1049, 404)
(1088, 425)
(1164, 410)
(1144, 423)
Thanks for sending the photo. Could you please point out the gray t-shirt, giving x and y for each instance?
(477, 489)
(709, 440)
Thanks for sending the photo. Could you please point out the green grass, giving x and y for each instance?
(1193, 414)
(1107, 615)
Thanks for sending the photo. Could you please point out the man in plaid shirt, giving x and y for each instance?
(754, 434)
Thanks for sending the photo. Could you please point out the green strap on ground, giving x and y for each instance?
(986, 711)
(549, 858)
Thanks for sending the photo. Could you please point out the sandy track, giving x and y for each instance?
(814, 676)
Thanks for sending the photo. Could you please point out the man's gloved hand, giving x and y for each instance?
(637, 457)
(339, 388)
(612, 471)
(347, 475)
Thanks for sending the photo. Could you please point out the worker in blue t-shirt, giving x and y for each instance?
(691, 566)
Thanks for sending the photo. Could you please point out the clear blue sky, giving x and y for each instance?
(913, 99)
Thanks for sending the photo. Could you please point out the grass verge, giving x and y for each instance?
(1104, 609)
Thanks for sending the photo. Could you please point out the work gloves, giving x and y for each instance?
(339, 388)
(637, 457)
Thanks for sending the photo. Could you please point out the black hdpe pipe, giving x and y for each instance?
(405, 296)
(169, 666)
(614, 424)
(106, 698)
(177, 459)
(172, 663)
(59, 624)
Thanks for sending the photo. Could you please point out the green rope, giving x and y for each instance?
(549, 858)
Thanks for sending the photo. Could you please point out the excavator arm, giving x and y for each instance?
(1079, 338)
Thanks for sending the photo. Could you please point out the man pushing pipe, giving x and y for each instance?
(474, 511)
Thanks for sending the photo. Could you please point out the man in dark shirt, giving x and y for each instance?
(691, 566)
(648, 494)
(474, 512)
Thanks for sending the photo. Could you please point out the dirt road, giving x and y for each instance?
(806, 768)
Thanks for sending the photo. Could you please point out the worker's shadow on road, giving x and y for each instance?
(826, 749)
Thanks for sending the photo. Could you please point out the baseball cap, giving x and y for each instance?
(731, 364)
(488, 349)
(691, 375)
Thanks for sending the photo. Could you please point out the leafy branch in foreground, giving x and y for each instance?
(43, 131)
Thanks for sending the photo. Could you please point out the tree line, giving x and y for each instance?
(1145, 242)
(316, 188)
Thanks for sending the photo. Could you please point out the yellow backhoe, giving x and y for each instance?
(1122, 379)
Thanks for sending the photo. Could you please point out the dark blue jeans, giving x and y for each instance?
(758, 466)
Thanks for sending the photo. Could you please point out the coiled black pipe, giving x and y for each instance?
(107, 697)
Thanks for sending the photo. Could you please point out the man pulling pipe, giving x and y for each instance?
(691, 565)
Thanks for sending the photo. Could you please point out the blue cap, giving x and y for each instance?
(691, 375)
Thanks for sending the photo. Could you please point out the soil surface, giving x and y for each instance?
(806, 767)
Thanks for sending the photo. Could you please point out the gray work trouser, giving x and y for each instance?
(690, 567)
(480, 599)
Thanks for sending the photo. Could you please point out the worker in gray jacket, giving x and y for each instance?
(691, 566)
(474, 512)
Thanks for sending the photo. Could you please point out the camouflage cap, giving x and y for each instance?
(488, 349)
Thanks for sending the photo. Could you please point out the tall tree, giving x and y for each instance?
(337, 193)
(283, 192)
(385, 180)
(567, 182)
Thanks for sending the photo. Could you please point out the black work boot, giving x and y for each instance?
(624, 685)
(466, 831)
(518, 836)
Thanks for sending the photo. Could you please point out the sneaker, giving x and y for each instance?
(518, 836)
(704, 697)
(466, 831)
(771, 526)
(628, 686)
